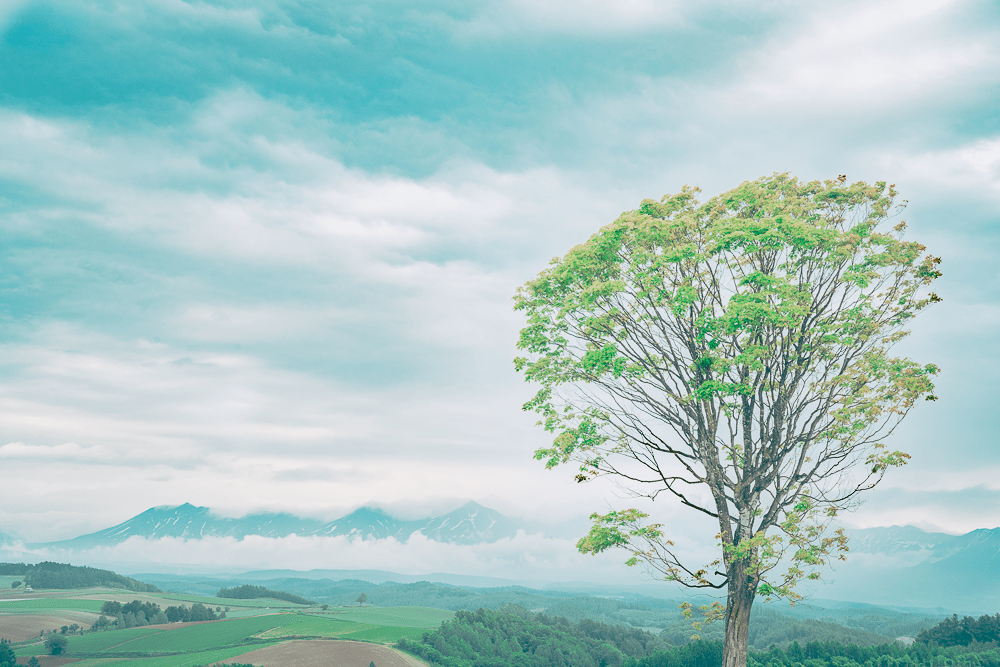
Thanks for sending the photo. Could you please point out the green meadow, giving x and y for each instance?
(250, 624)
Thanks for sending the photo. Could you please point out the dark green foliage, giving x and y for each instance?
(7, 658)
(136, 614)
(248, 592)
(60, 575)
(963, 632)
(56, 644)
(513, 636)
(518, 638)
(196, 612)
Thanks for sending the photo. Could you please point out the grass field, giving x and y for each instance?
(49, 604)
(251, 624)
(404, 617)
(230, 602)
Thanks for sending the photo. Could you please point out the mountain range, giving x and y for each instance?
(470, 524)
(902, 566)
(905, 566)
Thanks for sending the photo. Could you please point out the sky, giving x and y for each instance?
(259, 256)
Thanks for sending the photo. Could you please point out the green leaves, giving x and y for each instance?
(734, 355)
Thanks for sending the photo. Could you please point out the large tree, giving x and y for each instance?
(734, 356)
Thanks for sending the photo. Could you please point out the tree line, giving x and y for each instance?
(248, 592)
(515, 637)
(963, 632)
(64, 575)
(136, 614)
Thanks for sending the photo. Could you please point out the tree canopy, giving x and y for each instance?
(734, 355)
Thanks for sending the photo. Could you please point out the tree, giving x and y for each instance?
(7, 657)
(733, 356)
(363, 598)
(56, 644)
(15, 584)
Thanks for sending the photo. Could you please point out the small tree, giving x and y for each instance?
(363, 598)
(15, 584)
(735, 357)
(56, 644)
(33, 661)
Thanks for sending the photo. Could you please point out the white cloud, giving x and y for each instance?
(69, 451)
(533, 558)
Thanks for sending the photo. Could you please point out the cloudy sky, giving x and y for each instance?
(260, 255)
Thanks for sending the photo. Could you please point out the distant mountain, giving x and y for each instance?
(470, 524)
(368, 523)
(896, 539)
(905, 566)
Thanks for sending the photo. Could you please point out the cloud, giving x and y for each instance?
(258, 257)
(530, 558)
(69, 451)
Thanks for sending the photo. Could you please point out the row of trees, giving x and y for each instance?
(137, 614)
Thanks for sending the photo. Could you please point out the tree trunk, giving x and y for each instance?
(741, 592)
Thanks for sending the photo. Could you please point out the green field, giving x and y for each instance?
(186, 660)
(250, 624)
(228, 602)
(50, 604)
(404, 617)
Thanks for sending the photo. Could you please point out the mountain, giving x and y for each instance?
(896, 539)
(189, 522)
(368, 523)
(469, 524)
(905, 566)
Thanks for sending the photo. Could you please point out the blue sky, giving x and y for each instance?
(260, 255)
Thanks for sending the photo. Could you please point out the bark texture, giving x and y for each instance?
(740, 597)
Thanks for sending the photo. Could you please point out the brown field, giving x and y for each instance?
(21, 627)
(327, 653)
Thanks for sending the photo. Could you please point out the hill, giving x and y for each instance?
(770, 623)
(61, 575)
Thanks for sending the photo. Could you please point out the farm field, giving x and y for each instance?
(333, 654)
(295, 634)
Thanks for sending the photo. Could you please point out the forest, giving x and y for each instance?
(248, 592)
(61, 575)
(516, 637)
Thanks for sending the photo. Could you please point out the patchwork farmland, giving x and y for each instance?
(283, 632)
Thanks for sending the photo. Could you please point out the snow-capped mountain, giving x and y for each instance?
(470, 524)
(367, 523)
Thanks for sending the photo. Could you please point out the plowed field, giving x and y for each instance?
(327, 653)
(22, 628)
